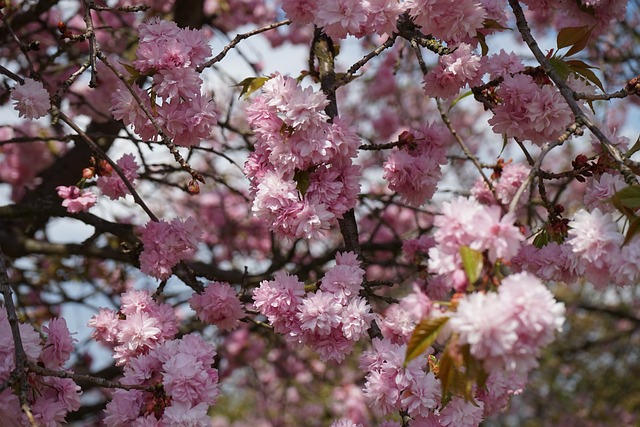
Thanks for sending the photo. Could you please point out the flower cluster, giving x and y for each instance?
(450, 20)
(529, 111)
(340, 18)
(505, 186)
(166, 244)
(183, 381)
(465, 222)
(75, 199)
(453, 72)
(390, 386)
(507, 329)
(413, 171)
(140, 325)
(51, 398)
(330, 320)
(301, 172)
(112, 185)
(218, 305)
(170, 55)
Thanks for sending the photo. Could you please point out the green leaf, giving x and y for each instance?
(634, 229)
(560, 67)
(633, 149)
(584, 70)
(251, 84)
(629, 196)
(446, 373)
(302, 181)
(541, 239)
(472, 263)
(425, 333)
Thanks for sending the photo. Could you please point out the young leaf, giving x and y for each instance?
(472, 263)
(560, 67)
(302, 181)
(571, 36)
(250, 85)
(633, 149)
(584, 70)
(634, 229)
(541, 239)
(483, 43)
(580, 44)
(423, 336)
(629, 196)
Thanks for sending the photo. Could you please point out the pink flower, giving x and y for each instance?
(460, 413)
(594, 236)
(528, 111)
(539, 315)
(59, 345)
(486, 324)
(340, 17)
(414, 170)
(454, 21)
(319, 313)
(177, 83)
(279, 299)
(504, 64)
(140, 330)
(184, 414)
(31, 99)
(187, 380)
(75, 199)
(166, 244)
(453, 72)
(600, 190)
(218, 305)
(113, 186)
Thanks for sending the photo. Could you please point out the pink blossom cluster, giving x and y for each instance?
(529, 111)
(140, 325)
(400, 319)
(75, 199)
(456, 21)
(594, 250)
(453, 72)
(551, 262)
(171, 55)
(505, 186)
(51, 398)
(596, 14)
(218, 305)
(301, 172)
(20, 163)
(413, 170)
(392, 386)
(112, 185)
(597, 247)
(507, 329)
(466, 222)
(340, 18)
(31, 99)
(182, 385)
(331, 320)
(165, 244)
